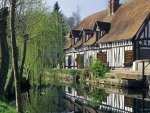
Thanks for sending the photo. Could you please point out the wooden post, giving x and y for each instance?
(74, 107)
(143, 73)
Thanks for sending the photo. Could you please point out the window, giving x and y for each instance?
(87, 37)
(76, 39)
(102, 56)
(128, 56)
(128, 102)
(69, 61)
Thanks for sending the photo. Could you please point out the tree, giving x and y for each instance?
(56, 7)
(45, 45)
(4, 65)
(23, 6)
(61, 29)
(14, 56)
(75, 19)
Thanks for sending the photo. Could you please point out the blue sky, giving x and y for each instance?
(87, 7)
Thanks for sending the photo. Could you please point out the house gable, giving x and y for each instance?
(142, 41)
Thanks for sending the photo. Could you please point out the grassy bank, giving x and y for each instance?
(4, 108)
(68, 71)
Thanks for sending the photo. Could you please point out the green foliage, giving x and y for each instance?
(4, 108)
(85, 73)
(97, 96)
(97, 68)
(69, 71)
(45, 101)
(46, 32)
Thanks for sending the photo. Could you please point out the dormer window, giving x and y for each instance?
(87, 37)
(75, 35)
(97, 29)
(87, 34)
(101, 28)
(76, 39)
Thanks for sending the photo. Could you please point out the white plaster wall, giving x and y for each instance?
(88, 54)
(115, 56)
(86, 60)
(66, 61)
(128, 48)
(138, 67)
(75, 60)
(73, 57)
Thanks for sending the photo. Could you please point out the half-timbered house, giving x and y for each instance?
(128, 38)
(86, 47)
(117, 36)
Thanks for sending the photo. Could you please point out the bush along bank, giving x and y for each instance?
(4, 108)
(96, 70)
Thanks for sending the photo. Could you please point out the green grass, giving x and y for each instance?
(69, 71)
(4, 108)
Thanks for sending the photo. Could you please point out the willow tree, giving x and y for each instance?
(22, 35)
(45, 46)
(61, 28)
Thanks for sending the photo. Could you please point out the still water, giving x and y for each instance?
(72, 98)
(108, 100)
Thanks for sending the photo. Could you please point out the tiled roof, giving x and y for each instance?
(89, 22)
(91, 41)
(127, 20)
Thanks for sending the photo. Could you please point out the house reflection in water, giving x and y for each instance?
(118, 103)
(128, 102)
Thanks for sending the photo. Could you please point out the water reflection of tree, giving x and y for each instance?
(82, 89)
(97, 95)
(47, 102)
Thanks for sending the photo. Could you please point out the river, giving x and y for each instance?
(86, 98)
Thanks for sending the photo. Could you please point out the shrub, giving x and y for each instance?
(85, 73)
(4, 108)
(97, 96)
(97, 68)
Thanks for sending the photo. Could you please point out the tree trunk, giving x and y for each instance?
(15, 56)
(23, 55)
(4, 49)
(9, 83)
(10, 80)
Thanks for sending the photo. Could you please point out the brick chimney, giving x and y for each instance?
(113, 6)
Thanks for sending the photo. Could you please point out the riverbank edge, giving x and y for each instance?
(106, 82)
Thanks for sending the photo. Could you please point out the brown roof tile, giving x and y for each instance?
(79, 43)
(68, 44)
(89, 22)
(91, 41)
(127, 20)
